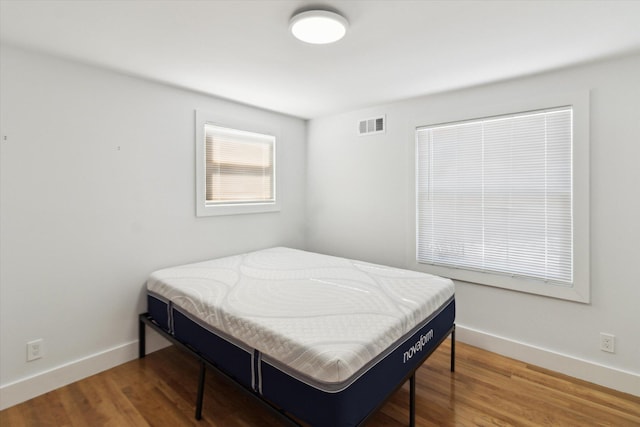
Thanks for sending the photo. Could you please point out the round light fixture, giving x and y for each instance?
(318, 26)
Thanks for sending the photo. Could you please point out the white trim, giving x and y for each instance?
(27, 388)
(617, 379)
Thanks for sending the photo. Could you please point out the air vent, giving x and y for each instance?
(372, 126)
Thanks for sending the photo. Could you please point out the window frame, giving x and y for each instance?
(579, 290)
(203, 209)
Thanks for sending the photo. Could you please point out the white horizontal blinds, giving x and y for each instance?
(495, 195)
(239, 166)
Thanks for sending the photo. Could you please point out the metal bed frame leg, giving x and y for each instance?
(412, 380)
(412, 400)
(141, 338)
(453, 349)
(203, 371)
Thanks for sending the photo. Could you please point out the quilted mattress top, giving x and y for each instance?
(325, 317)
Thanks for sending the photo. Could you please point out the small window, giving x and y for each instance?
(237, 169)
(239, 166)
(495, 201)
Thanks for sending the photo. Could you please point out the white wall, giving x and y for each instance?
(97, 191)
(361, 205)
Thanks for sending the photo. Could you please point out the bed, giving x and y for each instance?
(321, 340)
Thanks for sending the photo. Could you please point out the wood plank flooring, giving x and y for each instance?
(486, 390)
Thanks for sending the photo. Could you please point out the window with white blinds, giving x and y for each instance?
(495, 195)
(239, 166)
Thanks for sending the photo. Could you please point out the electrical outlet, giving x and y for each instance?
(607, 342)
(35, 349)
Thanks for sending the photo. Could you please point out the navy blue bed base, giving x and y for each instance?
(285, 394)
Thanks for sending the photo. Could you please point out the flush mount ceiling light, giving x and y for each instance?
(318, 26)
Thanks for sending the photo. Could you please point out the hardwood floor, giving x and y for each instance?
(486, 389)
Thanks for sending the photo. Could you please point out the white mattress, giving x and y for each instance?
(323, 316)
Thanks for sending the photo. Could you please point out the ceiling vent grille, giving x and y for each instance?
(372, 126)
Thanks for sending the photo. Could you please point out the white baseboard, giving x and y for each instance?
(624, 381)
(27, 388)
(30, 387)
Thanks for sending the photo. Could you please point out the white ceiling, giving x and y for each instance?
(395, 49)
